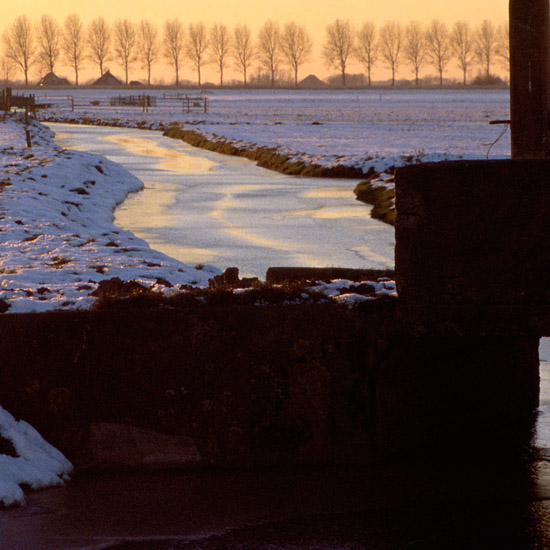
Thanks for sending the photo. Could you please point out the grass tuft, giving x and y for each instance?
(382, 198)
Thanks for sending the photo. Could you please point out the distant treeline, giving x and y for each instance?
(277, 52)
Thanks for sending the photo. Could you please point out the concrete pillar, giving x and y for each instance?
(530, 78)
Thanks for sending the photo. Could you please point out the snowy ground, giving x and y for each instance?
(58, 241)
(37, 464)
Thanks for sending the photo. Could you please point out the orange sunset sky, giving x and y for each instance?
(314, 14)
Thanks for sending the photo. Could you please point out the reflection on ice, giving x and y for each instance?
(169, 158)
(327, 213)
(202, 207)
(542, 437)
(328, 193)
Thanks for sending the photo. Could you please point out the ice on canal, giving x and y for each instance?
(202, 207)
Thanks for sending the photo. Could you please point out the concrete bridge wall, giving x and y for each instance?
(249, 385)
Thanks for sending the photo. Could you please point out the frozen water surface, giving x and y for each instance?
(202, 207)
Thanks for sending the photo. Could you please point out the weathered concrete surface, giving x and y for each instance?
(249, 385)
(473, 239)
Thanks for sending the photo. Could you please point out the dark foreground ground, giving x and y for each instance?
(444, 504)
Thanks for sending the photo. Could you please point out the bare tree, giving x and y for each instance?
(243, 49)
(147, 46)
(269, 48)
(220, 47)
(415, 47)
(73, 42)
(338, 46)
(366, 49)
(124, 32)
(503, 45)
(462, 44)
(296, 45)
(439, 46)
(486, 45)
(6, 69)
(19, 44)
(196, 45)
(173, 44)
(99, 42)
(49, 43)
(391, 44)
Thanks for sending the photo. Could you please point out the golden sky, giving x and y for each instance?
(315, 14)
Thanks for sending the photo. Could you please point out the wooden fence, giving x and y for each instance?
(9, 100)
(145, 103)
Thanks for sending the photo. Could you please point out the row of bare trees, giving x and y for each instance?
(416, 45)
(48, 43)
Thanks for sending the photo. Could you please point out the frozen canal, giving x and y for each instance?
(201, 207)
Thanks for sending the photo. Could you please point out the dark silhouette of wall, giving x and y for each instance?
(473, 245)
(249, 385)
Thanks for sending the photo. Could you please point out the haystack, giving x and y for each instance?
(312, 81)
(107, 80)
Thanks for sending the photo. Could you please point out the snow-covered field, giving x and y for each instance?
(363, 128)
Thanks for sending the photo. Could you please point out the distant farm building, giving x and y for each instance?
(107, 80)
(312, 81)
(51, 79)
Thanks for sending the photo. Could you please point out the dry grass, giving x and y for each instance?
(382, 199)
(265, 157)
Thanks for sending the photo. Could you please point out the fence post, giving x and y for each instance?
(72, 103)
(27, 132)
